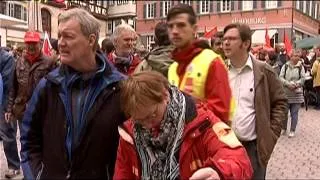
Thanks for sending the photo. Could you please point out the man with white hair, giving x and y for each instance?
(69, 130)
(124, 40)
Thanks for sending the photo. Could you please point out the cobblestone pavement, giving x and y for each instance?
(294, 158)
(298, 157)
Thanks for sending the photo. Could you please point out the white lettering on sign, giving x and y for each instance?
(259, 20)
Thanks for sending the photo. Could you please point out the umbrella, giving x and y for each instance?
(308, 42)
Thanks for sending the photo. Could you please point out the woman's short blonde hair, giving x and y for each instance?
(142, 90)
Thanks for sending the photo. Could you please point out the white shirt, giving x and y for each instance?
(242, 85)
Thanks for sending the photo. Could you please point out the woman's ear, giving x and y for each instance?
(166, 96)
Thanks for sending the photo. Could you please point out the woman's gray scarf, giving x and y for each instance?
(158, 155)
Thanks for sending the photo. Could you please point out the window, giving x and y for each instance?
(46, 21)
(11, 10)
(3, 7)
(204, 7)
(247, 5)
(17, 11)
(165, 8)
(110, 27)
(271, 4)
(25, 13)
(186, 2)
(150, 10)
(120, 2)
(225, 6)
(150, 41)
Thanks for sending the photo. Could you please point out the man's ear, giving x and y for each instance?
(92, 39)
(195, 29)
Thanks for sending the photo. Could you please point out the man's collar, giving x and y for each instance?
(247, 64)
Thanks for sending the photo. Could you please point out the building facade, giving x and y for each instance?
(13, 22)
(296, 19)
(50, 11)
(119, 12)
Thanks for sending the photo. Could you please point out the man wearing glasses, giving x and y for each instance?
(261, 103)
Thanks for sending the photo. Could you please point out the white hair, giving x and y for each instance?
(119, 29)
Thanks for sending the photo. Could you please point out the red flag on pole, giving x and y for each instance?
(267, 39)
(205, 30)
(211, 32)
(287, 43)
(46, 48)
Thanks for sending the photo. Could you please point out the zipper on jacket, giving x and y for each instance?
(40, 172)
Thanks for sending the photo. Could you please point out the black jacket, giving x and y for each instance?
(47, 150)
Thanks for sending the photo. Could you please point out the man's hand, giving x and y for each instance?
(205, 174)
(7, 116)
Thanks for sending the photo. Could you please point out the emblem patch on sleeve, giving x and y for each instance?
(226, 135)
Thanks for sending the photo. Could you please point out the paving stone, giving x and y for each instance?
(298, 157)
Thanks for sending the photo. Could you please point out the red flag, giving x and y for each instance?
(46, 48)
(267, 39)
(287, 43)
(210, 33)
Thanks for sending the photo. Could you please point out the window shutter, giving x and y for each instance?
(254, 5)
(218, 6)
(232, 5)
(198, 7)
(155, 9)
(144, 11)
(279, 3)
(161, 9)
(263, 4)
(240, 5)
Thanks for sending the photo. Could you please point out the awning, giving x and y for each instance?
(258, 37)
(308, 42)
(7, 21)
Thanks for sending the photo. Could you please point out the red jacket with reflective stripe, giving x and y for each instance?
(200, 148)
(217, 89)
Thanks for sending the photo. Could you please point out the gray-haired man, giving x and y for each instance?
(69, 130)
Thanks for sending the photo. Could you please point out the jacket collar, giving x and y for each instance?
(105, 69)
(258, 67)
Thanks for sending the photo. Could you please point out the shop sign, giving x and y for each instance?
(255, 20)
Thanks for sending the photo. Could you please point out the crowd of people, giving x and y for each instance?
(188, 109)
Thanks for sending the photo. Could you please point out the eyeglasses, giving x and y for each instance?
(150, 116)
(230, 38)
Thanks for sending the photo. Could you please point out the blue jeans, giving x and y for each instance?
(8, 133)
(294, 112)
